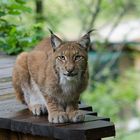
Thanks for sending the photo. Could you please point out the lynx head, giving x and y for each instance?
(70, 57)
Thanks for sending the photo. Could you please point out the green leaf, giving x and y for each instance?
(2, 13)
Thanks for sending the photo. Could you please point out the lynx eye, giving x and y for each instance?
(78, 57)
(62, 57)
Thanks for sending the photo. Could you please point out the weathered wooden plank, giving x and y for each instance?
(27, 116)
(5, 79)
(5, 66)
(6, 76)
(7, 96)
(89, 112)
(6, 91)
(5, 85)
(6, 59)
(6, 72)
(40, 126)
(102, 132)
(10, 104)
(85, 107)
(17, 117)
(61, 131)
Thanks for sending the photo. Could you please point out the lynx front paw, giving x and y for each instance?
(38, 109)
(76, 116)
(58, 117)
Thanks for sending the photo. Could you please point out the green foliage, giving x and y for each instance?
(17, 18)
(19, 39)
(112, 97)
(14, 37)
(132, 136)
(13, 7)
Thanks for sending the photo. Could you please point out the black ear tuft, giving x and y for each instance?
(55, 41)
(85, 40)
(90, 31)
(50, 31)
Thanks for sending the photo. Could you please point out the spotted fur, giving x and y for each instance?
(51, 77)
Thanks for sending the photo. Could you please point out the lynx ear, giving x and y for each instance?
(55, 41)
(85, 40)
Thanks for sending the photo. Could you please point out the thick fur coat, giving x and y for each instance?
(52, 76)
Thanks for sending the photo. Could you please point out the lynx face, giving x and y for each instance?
(70, 60)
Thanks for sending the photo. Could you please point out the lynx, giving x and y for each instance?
(51, 77)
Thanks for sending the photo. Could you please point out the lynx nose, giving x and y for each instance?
(69, 69)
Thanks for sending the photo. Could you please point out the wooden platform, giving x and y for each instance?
(17, 122)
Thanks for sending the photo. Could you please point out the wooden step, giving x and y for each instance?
(16, 117)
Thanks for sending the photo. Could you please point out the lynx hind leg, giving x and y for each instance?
(20, 75)
(34, 98)
(26, 90)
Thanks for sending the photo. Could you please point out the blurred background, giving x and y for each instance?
(114, 55)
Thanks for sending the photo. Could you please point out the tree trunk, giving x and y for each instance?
(39, 10)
